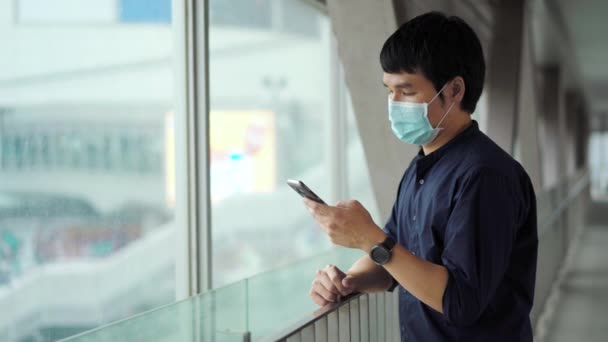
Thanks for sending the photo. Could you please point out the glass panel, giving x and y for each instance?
(87, 169)
(215, 316)
(142, 11)
(255, 307)
(269, 76)
(598, 164)
(282, 295)
(100, 12)
(63, 11)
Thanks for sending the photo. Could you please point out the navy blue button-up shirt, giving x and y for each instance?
(470, 207)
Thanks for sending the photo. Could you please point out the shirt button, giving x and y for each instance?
(421, 181)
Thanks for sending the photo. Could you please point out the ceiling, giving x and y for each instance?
(586, 24)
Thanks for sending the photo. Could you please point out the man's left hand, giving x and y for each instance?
(347, 224)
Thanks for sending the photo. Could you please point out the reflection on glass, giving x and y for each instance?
(86, 208)
(270, 108)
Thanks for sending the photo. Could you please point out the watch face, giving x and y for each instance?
(380, 255)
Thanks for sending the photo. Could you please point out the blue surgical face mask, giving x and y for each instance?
(410, 121)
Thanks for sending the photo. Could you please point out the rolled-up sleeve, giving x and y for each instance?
(391, 226)
(479, 238)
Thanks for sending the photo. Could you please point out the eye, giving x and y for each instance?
(407, 94)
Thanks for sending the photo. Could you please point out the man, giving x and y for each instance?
(461, 241)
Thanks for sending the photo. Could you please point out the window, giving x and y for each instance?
(270, 110)
(87, 208)
(145, 11)
(89, 149)
(598, 165)
(92, 12)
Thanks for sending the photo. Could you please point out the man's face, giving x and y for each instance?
(415, 88)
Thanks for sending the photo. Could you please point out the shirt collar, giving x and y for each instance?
(424, 163)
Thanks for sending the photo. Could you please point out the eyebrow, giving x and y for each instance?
(400, 85)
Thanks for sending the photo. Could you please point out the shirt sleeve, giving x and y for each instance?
(391, 226)
(390, 229)
(479, 238)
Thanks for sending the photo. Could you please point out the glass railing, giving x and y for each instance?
(249, 310)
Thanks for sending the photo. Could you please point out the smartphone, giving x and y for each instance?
(303, 190)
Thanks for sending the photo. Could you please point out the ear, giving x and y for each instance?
(457, 89)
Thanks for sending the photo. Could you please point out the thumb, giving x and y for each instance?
(350, 283)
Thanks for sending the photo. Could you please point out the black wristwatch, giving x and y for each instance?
(381, 253)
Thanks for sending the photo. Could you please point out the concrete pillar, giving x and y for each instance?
(562, 125)
(577, 122)
(582, 136)
(361, 28)
(527, 128)
(504, 59)
(549, 126)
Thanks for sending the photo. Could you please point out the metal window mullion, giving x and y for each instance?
(337, 138)
(199, 214)
(182, 208)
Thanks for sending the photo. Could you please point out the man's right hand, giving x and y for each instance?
(330, 285)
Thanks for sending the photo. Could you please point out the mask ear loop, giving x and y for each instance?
(449, 109)
(445, 115)
(439, 92)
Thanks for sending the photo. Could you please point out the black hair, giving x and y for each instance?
(440, 48)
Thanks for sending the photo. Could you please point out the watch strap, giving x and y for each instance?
(389, 243)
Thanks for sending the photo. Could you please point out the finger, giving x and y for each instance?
(336, 276)
(310, 204)
(313, 208)
(323, 221)
(327, 283)
(323, 292)
(344, 203)
(341, 204)
(318, 208)
(350, 283)
(317, 299)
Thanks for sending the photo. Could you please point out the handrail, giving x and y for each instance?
(358, 317)
(311, 319)
(547, 225)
